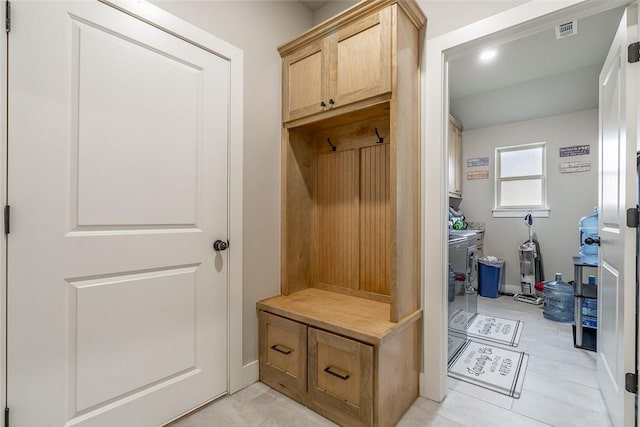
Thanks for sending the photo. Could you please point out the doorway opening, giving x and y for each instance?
(510, 102)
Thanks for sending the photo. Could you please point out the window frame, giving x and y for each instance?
(500, 210)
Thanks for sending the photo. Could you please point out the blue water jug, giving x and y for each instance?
(588, 227)
(558, 300)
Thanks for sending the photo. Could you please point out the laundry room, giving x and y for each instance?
(526, 118)
(537, 90)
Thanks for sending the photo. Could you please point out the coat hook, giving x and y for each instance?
(380, 139)
(333, 147)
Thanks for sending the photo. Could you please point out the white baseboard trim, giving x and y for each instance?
(422, 380)
(511, 289)
(250, 373)
(425, 392)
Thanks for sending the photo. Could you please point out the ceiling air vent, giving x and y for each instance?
(567, 29)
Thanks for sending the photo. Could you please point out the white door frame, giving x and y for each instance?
(163, 20)
(3, 202)
(523, 20)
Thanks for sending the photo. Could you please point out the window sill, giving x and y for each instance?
(520, 213)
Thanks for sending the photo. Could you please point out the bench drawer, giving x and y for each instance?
(283, 354)
(340, 378)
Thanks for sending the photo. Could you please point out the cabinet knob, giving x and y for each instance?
(322, 104)
(332, 102)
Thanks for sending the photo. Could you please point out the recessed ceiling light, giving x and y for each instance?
(488, 55)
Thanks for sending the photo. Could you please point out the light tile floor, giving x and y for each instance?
(560, 389)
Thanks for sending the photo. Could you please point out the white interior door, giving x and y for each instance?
(117, 302)
(617, 182)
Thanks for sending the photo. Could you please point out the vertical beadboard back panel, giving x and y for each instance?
(336, 209)
(353, 207)
(374, 213)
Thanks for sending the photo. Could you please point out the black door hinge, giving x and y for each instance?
(633, 217)
(7, 16)
(6, 417)
(7, 219)
(631, 382)
(633, 52)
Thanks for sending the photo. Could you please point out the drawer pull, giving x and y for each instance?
(343, 375)
(281, 349)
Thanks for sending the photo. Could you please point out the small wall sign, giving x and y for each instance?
(478, 161)
(478, 175)
(572, 167)
(575, 150)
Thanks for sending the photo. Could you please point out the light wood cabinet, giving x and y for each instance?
(351, 215)
(362, 369)
(455, 157)
(351, 183)
(350, 63)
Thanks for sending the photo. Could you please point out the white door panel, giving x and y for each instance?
(118, 185)
(617, 192)
(163, 331)
(611, 326)
(114, 161)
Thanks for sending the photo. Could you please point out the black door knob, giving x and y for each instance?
(220, 245)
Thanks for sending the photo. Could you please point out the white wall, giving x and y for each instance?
(442, 15)
(447, 15)
(256, 27)
(570, 196)
(332, 8)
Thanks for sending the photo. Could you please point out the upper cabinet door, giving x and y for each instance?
(455, 158)
(305, 81)
(352, 63)
(361, 59)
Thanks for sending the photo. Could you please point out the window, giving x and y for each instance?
(520, 185)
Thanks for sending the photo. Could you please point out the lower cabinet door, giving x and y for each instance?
(283, 355)
(340, 378)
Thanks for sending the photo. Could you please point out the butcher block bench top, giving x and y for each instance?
(358, 318)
